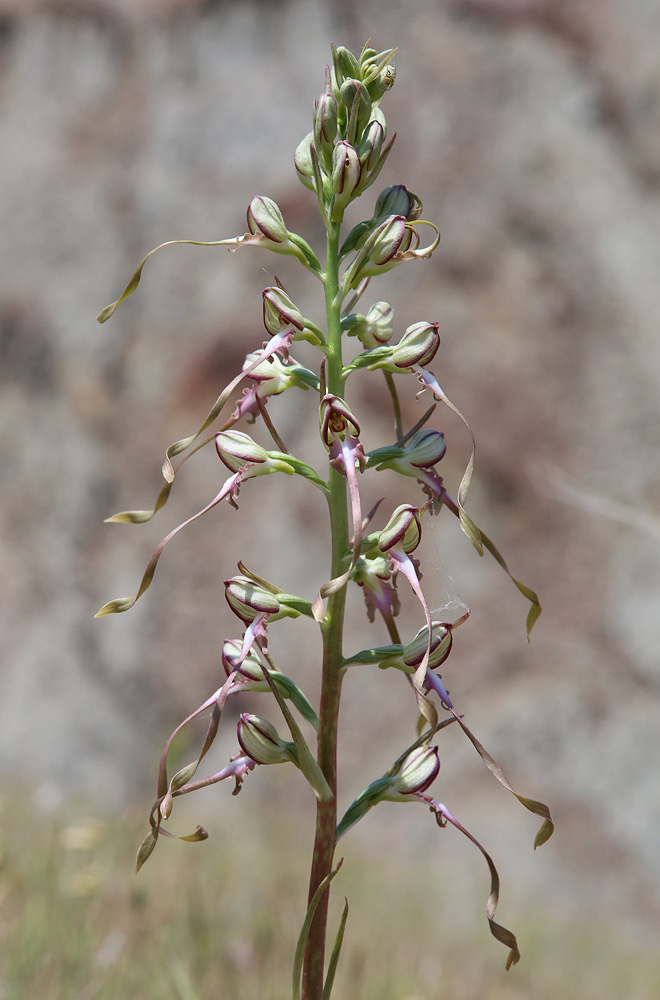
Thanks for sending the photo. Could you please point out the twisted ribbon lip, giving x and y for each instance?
(415, 253)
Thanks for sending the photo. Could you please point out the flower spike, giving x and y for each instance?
(338, 160)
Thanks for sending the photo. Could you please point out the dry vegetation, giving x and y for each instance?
(76, 924)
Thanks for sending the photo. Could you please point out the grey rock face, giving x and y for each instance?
(533, 134)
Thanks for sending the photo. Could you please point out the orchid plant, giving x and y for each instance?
(338, 161)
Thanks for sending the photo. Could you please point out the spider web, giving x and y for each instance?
(445, 603)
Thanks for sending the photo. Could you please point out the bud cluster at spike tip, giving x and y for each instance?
(346, 148)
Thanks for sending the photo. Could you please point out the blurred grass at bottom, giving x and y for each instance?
(219, 921)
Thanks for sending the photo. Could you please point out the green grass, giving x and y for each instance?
(219, 920)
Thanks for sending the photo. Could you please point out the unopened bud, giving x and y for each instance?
(380, 84)
(247, 599)
(248, 667)
(303, 161)
(418, 346)
(266, 223)
(425, 448)
(397, 200)
(403, 529)
(325, 125)
(280, 312)
(261, 741)
(236, 449)
(371, 145)
(355, 98)
(346, 173)
(345, 64)
(418, 770)
(264, 217)
(379, 251)
(441, 643)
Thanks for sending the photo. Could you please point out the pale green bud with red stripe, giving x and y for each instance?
(259, 739)
(403, 529)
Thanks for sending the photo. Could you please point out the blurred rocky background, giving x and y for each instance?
(531, 129)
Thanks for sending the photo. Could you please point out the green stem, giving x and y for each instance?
(332, 628)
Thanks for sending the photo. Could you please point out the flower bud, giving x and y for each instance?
(280, 312)
(248, 667)
(355, 98)
(345, 64)
(367, 58)
(247, 599)
(425, 448)
(265, 217)
(418, 346)
(346, 173)
(403, 528)
(236, 449)
(325, 125)
(441, 643)
(266, 225)
(379, 251)
(303, 162)
(260, 741)
(415, 459)
(371, 145)
(388, 239)
(397, 200)
(418, 770)
(381, 83)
